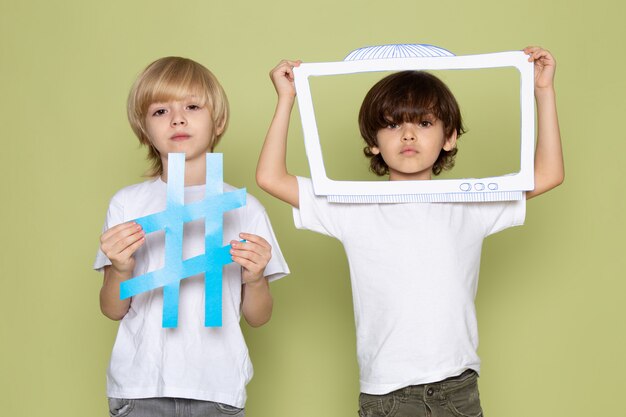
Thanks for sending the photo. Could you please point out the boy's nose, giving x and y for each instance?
(178, 120)
(408, 133)
(178, 117)
(408, 136)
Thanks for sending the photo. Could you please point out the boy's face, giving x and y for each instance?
(182, 126)
(411, 149)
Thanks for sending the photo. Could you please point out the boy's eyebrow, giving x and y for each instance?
(193, 97)
(428, 115)
(189, 97)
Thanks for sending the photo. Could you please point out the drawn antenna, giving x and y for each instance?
(406, 50)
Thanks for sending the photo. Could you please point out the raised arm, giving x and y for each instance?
(549, 169)
(271, 172)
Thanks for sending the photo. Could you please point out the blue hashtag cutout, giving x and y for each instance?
(176, 214)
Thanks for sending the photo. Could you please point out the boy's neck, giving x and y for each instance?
(195, 171)
(424, 176)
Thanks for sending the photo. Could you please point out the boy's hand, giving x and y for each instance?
(253, 255)
(282, 78)
(545, 66)
(120, 242)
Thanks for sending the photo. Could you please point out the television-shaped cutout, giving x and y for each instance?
(391, 58)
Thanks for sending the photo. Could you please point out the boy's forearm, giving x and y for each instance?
(549, 167)
(257, 302)
(110, 302)
(271, 174)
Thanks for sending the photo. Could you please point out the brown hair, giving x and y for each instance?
(174, 78)
(408, 96)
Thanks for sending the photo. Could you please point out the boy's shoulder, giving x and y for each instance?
(142, 189)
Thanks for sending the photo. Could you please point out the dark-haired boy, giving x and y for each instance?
(413, 266)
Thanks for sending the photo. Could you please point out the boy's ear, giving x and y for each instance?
(374, 150)
(450, 142)
(219, 128)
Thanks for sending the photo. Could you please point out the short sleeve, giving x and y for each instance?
(277, 266)
(315, 213)
(115, 216)
(498, 216)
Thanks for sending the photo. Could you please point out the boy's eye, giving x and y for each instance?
(159, 112)
(426, 123)
(393, 125)
(193, 107)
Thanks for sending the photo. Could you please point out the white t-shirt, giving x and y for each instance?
(414, 274)
(191, 360)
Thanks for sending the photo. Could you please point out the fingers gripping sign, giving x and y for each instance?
(253, 254)
(120, 242)
(283, 79)
(544, 63)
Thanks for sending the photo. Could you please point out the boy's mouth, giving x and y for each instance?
(180, 137)
(407, 150)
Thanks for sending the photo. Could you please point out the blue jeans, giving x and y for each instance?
(452, 397)
(170, 407)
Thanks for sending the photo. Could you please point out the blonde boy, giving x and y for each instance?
(177, 105)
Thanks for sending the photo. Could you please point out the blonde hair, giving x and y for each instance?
(174, 78)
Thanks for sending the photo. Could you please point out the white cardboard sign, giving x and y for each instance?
(418, 57)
